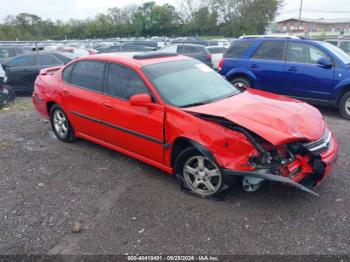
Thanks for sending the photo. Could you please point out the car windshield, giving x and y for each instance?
(188, 83)
(344, 57)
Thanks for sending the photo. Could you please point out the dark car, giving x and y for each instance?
(9, 51)
(195, 42)
(198, 52)
(126, 48)
(22, 70)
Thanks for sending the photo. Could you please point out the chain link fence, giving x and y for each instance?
(21, 61)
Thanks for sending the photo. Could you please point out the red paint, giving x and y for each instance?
(277, 119)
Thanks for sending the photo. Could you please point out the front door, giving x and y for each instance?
(137, 129)
(304, 77)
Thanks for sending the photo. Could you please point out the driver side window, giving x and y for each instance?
(123, 82)
(305, 53)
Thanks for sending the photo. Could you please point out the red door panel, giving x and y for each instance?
(84, 110)
(134, 128)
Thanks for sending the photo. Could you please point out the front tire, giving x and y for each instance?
(344, 105)
(198, 174)
(61, 125)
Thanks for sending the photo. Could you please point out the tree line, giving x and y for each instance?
(230, 18)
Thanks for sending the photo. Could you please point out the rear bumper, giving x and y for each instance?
(40, 106)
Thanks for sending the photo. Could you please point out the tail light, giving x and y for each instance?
(210, 56)
(221, 63)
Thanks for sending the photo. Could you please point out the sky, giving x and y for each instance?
(66, 9)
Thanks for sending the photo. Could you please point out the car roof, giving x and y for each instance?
(128, 58)
(188, 44)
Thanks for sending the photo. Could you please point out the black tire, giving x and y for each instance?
(68, 134)
(344, 105)
(7, 95)
(220, 183)
(241, 82)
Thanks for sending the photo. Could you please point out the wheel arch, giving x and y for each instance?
(181, 143)
(237, 73)
(342, 89)
(49, 105)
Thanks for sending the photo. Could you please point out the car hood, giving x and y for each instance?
(277, 119)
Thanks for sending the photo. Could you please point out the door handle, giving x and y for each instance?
(108, 106)
(254, 66)
(293, 69)
(65, 92)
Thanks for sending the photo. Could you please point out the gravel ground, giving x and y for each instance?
(125, 206)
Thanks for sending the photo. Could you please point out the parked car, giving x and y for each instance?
(7, 94)
(126, 48)
(9, 51)
(181, 116)
(198, 52)
(314, 71)
(342, 43)
(22, 70)
(217, 53)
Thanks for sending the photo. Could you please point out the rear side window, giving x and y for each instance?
(88, 74)
(271, 50)
(49, 60)
(25, 60)
(345, 46)
(238, 48)
(123, 82)
(191, 50)
(216, 50)
(67, 73)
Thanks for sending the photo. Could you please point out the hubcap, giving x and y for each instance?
(347, 106)
(240, 85)
(202, 175)
(60, 124)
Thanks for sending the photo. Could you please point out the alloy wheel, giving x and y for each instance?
(347, 106)
(202, 175)
(60, 124)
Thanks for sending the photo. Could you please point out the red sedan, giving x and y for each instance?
(177, 114)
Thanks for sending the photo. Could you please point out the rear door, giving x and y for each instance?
(267, 64)
(304, 77)
(137, 129)
(82, 93)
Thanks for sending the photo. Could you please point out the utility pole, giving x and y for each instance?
(300, 10)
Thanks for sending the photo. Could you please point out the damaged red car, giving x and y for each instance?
(177, 114)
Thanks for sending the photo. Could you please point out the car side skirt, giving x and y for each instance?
(126, 152)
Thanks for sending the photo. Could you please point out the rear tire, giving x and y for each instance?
(344, 105)
(61, 125)
(200, 175)
(241, 82)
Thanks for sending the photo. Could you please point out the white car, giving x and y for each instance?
(217, 53)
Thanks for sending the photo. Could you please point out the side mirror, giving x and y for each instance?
(325, 62)
(140, 100)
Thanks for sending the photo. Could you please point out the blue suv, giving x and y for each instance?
(314, 71)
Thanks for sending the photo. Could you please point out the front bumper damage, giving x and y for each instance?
(265, 175)
(321, 167)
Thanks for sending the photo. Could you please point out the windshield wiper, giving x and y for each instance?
(194, 104)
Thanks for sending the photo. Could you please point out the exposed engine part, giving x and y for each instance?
(251, 184)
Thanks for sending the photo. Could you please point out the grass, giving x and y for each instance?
(20, 104)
